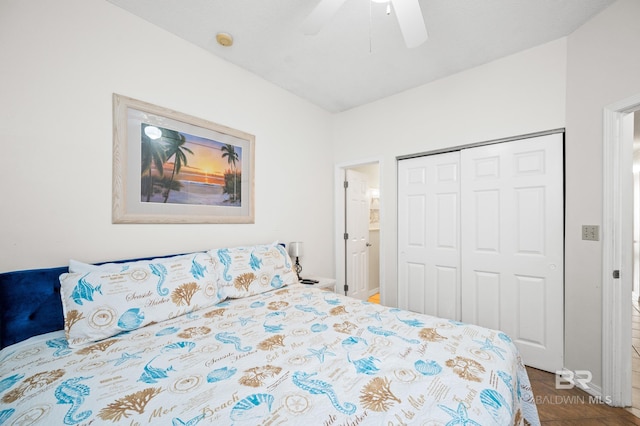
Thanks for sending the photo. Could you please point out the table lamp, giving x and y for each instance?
(295, 250)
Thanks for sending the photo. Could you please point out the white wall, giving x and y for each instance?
(61, 62)
(520, 94)
(603, 66)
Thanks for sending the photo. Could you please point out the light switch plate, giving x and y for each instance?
(591, 232)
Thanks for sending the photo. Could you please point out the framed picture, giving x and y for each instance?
(170, 167)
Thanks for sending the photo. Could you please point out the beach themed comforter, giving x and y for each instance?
(295, 355)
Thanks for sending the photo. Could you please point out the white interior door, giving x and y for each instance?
(428, 235)
(512, 244)
(357, 228)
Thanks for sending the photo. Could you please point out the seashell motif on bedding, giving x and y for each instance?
(252, 408)
(167, 331)
(427, 368)
(318, 327)
(276, 282)
(178, 345)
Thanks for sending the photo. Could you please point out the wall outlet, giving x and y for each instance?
(591, 232)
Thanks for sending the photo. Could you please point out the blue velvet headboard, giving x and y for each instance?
(30, 302)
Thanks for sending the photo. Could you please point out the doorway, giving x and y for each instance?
(635, 285)
(358, 230)
(617, 250)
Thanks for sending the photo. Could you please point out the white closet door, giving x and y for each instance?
(512, 244)
(428, 235)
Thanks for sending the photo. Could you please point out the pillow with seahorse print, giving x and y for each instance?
(246, 271)
(102, 303)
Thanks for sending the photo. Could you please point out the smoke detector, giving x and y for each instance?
(224, 39)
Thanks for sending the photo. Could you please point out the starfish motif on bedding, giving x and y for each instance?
(125, 357)
(320, 353)
(488, 345)
(459, 416)
(245, 320)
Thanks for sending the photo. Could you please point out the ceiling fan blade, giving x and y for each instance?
(411, 22)
(320, 15)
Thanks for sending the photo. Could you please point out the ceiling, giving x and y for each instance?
(359, 55)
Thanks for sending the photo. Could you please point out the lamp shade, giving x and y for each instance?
(295, 249)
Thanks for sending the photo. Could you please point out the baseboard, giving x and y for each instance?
(374, 291)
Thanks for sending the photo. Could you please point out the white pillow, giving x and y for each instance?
(102, 303)
(245, 271)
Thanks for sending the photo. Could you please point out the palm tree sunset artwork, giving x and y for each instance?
(180, 168)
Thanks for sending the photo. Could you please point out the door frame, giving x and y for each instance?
(339, 220)
(617, 252)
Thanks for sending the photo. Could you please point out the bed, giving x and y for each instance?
(252, 346)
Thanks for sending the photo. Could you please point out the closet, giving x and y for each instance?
(481, 240)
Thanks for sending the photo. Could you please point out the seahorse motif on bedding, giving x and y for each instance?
(73, 392)
(388, 333)
(225, 259)
(317, 387)
(60, 345)
(161, 272)
(226, 337)
(305, 308)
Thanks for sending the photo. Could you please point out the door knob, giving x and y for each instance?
(369, 244)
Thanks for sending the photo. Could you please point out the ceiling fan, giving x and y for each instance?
(408, 12)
